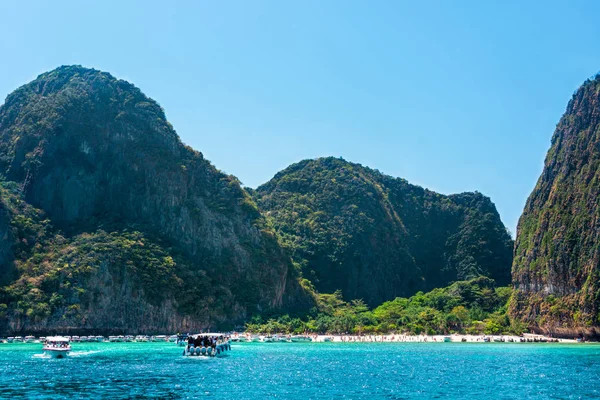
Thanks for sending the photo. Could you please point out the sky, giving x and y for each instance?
(453, 96)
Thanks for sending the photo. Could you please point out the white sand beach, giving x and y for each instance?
(459, 338)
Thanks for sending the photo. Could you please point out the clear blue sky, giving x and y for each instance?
(451, 95)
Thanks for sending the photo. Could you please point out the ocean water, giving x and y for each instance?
(306, 371)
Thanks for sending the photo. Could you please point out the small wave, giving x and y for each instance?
(43, 355)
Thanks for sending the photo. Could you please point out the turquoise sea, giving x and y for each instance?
(305, 371)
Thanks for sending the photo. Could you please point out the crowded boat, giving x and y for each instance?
(207, 345)
(57, 346)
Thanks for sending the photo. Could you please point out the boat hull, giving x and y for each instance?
(56, 353)
(219, 351)
(301, 339)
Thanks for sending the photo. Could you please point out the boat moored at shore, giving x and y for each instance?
(283, 338)
(301, 339)
(181, 339)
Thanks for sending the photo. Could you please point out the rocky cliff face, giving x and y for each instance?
(98, 157)
(556, 270)
(6, 256)
(376, 237)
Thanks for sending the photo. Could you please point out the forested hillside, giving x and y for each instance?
(110, 222)
(376, 237)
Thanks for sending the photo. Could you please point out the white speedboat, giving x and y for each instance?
(113, 339)
(29, 339)
(10, 339)
(283, 338)
(241, 338)
(141, 338)
(173, 338)
(255, 338)
(159, 338)
(268, 339)
(18, 339)
(300, 339)
(57, 346)
(75, 339)
(128, 338)
(99, 338)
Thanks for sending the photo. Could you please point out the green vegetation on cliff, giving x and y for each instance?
(376, 237)
(476, 306)
(110, 222)
(556, 269)
(59, 280)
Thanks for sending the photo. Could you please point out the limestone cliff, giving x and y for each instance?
(556, 269)
(97, 157)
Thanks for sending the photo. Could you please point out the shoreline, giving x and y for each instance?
(454, 338)
(387, 338)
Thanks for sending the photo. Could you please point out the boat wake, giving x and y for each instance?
(71, 354)
(205, 358)
(83, 353)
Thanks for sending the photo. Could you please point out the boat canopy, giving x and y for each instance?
(57, 339)
(208, 334)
